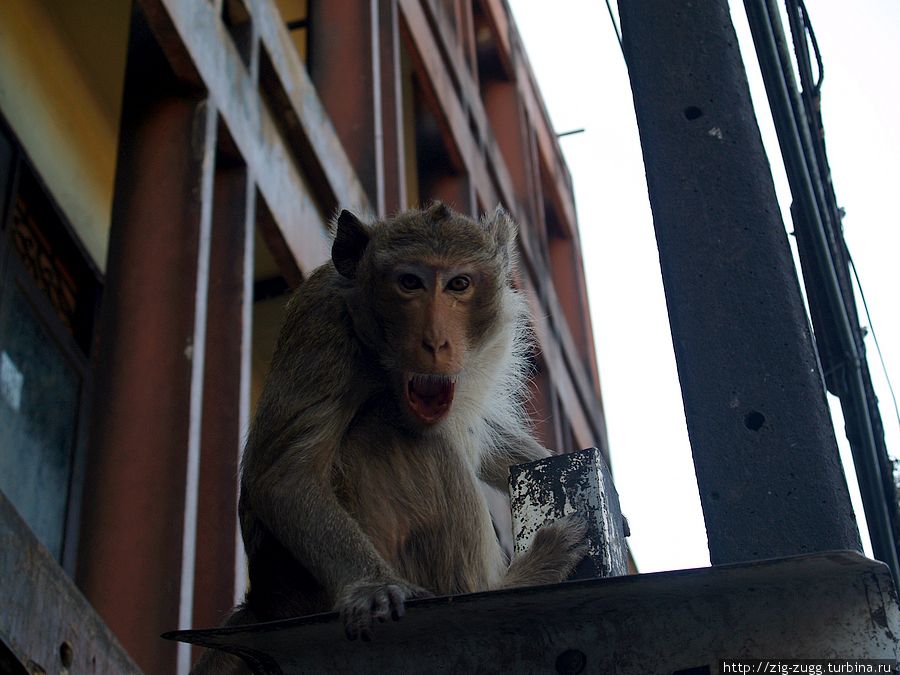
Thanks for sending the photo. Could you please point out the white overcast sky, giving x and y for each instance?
(584, 81)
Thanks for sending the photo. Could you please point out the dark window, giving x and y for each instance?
(48, 301)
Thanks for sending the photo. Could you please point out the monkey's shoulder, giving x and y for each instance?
(320, 295)
(316, 323)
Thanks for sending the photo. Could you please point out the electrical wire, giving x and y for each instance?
(801, 135)
(814, 91)
(612, 18)
(807, 24)
(887, 377)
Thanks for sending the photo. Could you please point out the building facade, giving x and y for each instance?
(167, 173)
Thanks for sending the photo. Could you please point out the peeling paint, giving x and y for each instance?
(579, 482)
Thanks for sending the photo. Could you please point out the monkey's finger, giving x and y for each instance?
(350, 627)
(359, 631)
(381, 605)
(364, 624)
(356, 619)
(364, 615)
(396, 597)
(580, 553)
(348, 623)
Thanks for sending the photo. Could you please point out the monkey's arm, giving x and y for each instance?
(558, 546)
(293, 499)
(511, 445)
(311, 396)
(295, 503)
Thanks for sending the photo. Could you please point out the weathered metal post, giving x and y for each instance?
(771, 483)
(575, 483)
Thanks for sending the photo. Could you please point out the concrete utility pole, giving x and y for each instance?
(770, 479)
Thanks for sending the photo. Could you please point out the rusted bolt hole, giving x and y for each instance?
(692, 112)
(571, 662)
(754, 420)
(66, 655)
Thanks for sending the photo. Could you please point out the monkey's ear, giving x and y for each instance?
(350, 240)
(502, 229)
(438, 211)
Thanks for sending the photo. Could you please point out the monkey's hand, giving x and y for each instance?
(555, 551)
(362, 603)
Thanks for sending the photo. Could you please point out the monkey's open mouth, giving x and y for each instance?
(429, 396)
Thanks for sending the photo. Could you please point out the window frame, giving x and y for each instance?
(14, 277)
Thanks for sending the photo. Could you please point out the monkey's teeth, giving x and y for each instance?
(425, 381)
(429, 396)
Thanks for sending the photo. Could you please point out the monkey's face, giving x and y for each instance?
(424, 309)
(424, 290)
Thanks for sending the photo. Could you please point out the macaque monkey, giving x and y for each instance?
(396, 388)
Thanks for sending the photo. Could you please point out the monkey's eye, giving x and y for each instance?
(409, 282)
(458, 284)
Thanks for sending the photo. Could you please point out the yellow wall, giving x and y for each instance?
(293, 10)
(62, 66)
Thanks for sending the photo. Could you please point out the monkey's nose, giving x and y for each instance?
(435, 346)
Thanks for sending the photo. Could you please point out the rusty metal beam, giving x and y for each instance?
(496, 12)
(270, 157)
(145, 427)
(513, 53)
(582, 405)
(490, 189)
(502, 103)
(454, 190)
(364, 104)
(341, 44)
(227, 340)
(457, 87)
(315, 126)
(548, 149)
(533, 176)
(390, 80)
(546, 158)
(467, 36)
(588, 430)
(543, 407)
